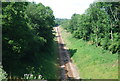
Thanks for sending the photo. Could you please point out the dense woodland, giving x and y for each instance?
(100, 25)
(27, 38)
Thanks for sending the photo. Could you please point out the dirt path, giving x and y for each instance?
(68, 69)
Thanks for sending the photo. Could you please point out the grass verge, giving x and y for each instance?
(92, 62)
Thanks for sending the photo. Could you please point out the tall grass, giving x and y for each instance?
(50, 68)
(92, 62)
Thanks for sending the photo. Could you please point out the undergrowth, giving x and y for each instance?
(92, 62)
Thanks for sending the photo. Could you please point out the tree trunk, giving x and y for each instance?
(113, 14)
(111, 33)
(97, 36)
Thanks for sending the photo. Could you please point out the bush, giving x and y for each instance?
(2, 73)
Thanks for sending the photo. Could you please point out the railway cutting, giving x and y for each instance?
(67, 68)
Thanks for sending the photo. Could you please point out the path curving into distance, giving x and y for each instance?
(68, 69)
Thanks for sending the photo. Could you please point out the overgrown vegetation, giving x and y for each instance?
(28, 40)
(96, 43)
(92, 62)
(2, 73)
(100, 24)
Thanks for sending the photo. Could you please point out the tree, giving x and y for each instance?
(99, 24)
(27, 35)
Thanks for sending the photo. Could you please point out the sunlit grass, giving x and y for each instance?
(92, 62)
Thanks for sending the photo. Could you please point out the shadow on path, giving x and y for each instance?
(72, 52)
(68, 69)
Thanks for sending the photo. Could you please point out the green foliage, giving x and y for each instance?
(42, 20)
(2, 73)
(59, 21)
(99, 24)
(27, 36)
(92, 62)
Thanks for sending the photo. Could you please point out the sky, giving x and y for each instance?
(66, 8)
